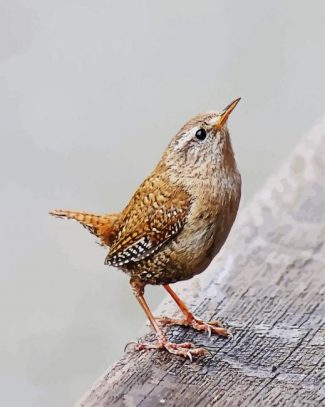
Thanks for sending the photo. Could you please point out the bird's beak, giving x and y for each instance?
(226, 113)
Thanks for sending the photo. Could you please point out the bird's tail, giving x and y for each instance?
(99, 225)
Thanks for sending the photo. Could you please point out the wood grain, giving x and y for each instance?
(268, 286)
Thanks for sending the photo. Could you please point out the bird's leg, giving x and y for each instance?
(182, 349)
(189, 319)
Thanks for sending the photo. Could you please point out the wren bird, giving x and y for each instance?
(176, 222)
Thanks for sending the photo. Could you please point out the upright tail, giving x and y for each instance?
(99, 225)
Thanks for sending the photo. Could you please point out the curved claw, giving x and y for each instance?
(129, 343)
(230, 335)
(208, 351)
(207, 327)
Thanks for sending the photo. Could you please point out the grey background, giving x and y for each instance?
(90, 94)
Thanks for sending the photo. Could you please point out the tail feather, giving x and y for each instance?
(99, 225)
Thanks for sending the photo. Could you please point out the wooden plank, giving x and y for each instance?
(268, 285)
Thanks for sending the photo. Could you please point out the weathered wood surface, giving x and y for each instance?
(268, 286)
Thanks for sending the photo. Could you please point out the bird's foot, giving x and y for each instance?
(211, 327)
(184, 349)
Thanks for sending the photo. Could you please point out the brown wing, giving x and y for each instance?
(155, 214)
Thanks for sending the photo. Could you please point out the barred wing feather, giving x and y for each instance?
(150, 220)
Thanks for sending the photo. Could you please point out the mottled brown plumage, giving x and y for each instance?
(177, 220)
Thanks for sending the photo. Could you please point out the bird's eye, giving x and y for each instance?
(201, 134)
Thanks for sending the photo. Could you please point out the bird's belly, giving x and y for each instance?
(182, 258)
(196, 251)
(190, 252)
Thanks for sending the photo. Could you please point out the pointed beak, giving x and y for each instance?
(226, 113)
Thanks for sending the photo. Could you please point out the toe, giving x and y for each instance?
(163, 321)
(214, 323)
(185, 350)
(219, 330)
(209, 328)
(211, 323)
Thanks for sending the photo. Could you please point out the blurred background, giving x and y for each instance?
(90, 94)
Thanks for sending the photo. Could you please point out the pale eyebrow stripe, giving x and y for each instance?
(183, 140)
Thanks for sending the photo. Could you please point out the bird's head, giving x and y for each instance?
(202, 145)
